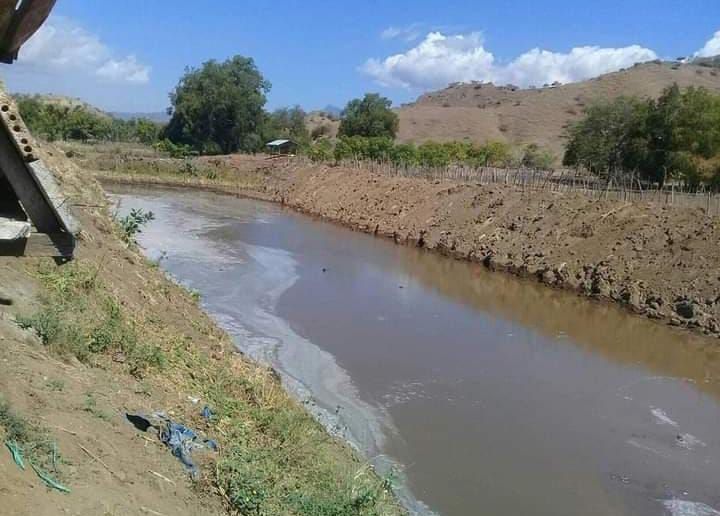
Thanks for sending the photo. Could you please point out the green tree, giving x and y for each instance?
(219, 107)
(287, 123)
(536, 157)
(370, 116)
(612, 137)
(146, 131)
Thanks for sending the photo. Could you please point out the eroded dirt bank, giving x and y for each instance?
(659, 261)
(84, 343)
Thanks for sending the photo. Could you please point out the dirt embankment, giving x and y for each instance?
(659, 261)
(108, 334)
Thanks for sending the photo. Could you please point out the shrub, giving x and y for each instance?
(131, 225)
(370, 117)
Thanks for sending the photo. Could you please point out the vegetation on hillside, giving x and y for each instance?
(431, 154)
(370, 117)
(674, 137)
(287, 123)
(53, 121)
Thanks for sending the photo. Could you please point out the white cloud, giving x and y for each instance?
(127, 69)
(711, 48)
(408, 33)
(63, 46)
(441, 59)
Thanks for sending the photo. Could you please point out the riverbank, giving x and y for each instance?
(655, 260)
(108, 334)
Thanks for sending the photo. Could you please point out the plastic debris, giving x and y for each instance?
(207, 413)
(16, 453)
(181, 439)
(48, 480)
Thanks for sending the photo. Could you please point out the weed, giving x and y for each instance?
(91, 407)
(80, 318)
(45, 323)
(131, 225)
(194, 294)
(36, 445)
(55, 385)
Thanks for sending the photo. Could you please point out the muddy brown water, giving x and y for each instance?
(485, 394)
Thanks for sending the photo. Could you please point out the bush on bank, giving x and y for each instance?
(430, 154)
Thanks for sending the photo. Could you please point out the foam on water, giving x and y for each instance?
(686, 508)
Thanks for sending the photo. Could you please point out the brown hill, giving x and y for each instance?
(64, 101)
(483, 112)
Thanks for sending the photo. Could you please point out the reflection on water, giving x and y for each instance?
(498, 396)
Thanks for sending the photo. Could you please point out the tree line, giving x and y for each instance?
(62, 122)
(675, 137)
(430, 153)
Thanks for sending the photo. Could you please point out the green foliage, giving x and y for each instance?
(79, 318)
(676, 136)
(370, 117)
(45, 323)
(320, 151)
(358, 147)
(57, 122)
(535, 157)
(218, 108)
(175, 150)
(286, 123)
(131, 225)
(428, 154)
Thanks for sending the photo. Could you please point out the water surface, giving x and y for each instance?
(492, 394)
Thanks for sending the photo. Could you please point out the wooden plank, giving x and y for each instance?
(13, 229)
(58, 245)
(53, 193)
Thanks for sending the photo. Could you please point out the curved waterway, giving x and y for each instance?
(490, 394)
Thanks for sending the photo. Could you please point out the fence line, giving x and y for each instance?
(620, 188)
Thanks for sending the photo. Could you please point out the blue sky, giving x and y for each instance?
(127, 56)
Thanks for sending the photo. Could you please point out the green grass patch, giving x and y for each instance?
(80, 317)
(279, 459)
(34, 442)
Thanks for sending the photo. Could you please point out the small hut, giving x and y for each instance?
(282, 147)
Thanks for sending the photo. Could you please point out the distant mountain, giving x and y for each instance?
(481, 112)
(160, 117)
(331, 110)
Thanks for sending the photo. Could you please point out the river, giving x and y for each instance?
(486, 394)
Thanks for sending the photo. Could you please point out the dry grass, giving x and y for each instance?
(482, 113)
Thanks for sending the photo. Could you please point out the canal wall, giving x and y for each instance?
(659, 261)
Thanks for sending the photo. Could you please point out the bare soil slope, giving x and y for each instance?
(482, 112)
